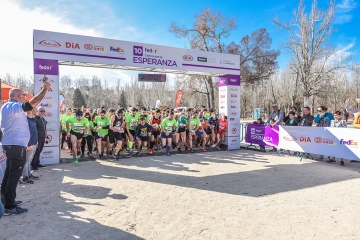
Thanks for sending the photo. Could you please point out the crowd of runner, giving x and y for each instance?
(136, 129)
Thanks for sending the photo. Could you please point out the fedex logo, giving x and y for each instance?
(349, 142)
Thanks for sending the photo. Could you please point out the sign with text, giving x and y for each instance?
(151, 77)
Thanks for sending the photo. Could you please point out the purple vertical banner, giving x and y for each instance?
(223, 81)
(233, 80)
(46, 66)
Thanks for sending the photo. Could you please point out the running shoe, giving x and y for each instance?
(179, 150)
(191, 150)
(15, 211)
(168, 154)
(137, 153)
(151, 151)
(82, 156)
(203, 150)
(76, 161)
(100, 156)
(89, 154)
(34, 177)
(69, 150)
(27, 181)
(111, 152)
(78, 153)
(218, 148)
(116, 156)
(131, 153)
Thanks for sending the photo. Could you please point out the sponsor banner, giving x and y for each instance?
(178, 98)
(334, 142)
(47, 67)
(76, 48)
(2, 163)
(255, 134)
(51, 105)
(50, 155)
(229, 105)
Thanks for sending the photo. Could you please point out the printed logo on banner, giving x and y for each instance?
(234, 89)
(233, 101)
(234, 113)
(232, 106)
(49, 139)
(47, 105)
(50, 89)
(117, 50)
(233, 80)
(252, 130)
(350, 143)
(48, 97)
(202, 59)
(211, 60)
(222, 107)
(222, 96)
(47, 152)
(234, 130)
(88, 46)
(49, 80)
(305, 139)
(222, 102)
(227, 62)
(222, 90)
(233, 95)
(329, 141)
(318, 139)
(48, 114)
(72, 45)
(138, 52)
(232, 119)
(50, 43)
(188, 58)
(44, 67)
(289, 138)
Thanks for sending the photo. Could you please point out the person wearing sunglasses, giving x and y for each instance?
(323, 119)
(16, 136)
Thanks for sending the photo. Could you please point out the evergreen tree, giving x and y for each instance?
(78, 99)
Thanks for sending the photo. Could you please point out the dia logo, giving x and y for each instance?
(72, 45)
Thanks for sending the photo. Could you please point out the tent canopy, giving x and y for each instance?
(5, 89)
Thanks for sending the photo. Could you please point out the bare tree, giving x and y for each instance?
(313, 57)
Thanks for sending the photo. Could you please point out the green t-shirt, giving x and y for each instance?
(132, 121)
(76, 125)
(91, 125)
(63, 119)
(167, 125)
(102, 123)
(183, 122)
(207, 115)
(145, 116)
(195, 122)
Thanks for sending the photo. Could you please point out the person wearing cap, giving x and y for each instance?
(117, 125)
(278, 116)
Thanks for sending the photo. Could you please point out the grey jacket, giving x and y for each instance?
(306, 120)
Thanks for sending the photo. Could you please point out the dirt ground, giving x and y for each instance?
(218, 195)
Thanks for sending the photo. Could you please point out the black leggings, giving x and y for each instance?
(63, 139)
(87, 140)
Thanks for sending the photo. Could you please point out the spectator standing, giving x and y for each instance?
(323, 119)
(31, 147)
(292, 121)
(295, 110)
(346, 115)
(42, 138)
(338, 122)
(307, 119)
(278, 116)
(15, 140)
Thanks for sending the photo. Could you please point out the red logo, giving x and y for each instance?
(328, 141)
(188, 58)
(233, 95)
(99, 48)
(222, 96)
(289, 138)
(49, 80)
(233, 113)
(318, 139)
(234, 130)
(48, 139)
(72, 45)
(50, 90)
(88, 47)
(305, 139)
(48, 114)
(49, 43)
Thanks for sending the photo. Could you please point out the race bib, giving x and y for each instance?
(221, 127)
(133, 124)
(169, 129)
(182, 125)
(78, 128)
(100, 135)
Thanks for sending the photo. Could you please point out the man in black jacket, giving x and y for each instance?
(42, 136)
(307, 119)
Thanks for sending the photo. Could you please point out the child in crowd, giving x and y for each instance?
(338, 122)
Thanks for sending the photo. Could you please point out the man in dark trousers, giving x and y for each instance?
(16, 136)
(42, 137)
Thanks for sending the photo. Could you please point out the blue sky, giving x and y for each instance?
(148, 21)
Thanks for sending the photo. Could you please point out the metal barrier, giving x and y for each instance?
(242, 135)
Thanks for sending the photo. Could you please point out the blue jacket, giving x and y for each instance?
(33, 132)
(328, 117)
(294, 123)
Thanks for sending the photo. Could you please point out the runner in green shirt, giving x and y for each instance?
(63, 119)
(87, 139)
(183, 123)
(75, 128)
(101, 127)
(195, 127)
(131, 121)
(168, 126)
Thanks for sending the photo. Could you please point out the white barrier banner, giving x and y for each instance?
(334, 142)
